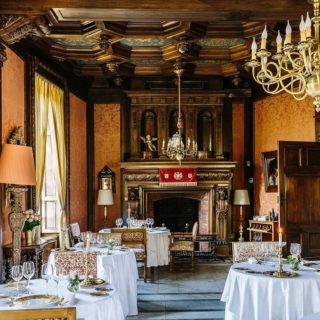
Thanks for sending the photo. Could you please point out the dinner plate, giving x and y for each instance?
(37, 300)
(4, 299)
(104, 289)
(99, 293)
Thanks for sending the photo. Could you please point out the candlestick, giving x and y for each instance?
(302, 28)
(254, 49)
(279, 42)
(308, 26)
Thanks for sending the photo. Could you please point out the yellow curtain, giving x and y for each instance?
(49, 100)
(57, 111)
(41, 123)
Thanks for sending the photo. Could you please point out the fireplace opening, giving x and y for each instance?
(176, 212)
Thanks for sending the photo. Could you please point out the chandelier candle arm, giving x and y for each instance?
(294, 68)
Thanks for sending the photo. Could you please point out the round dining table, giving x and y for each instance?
(88, 307)
(119, 268)
(250, 294)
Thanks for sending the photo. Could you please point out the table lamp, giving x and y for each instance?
(105, 198)
(241, 198)
(16, 171)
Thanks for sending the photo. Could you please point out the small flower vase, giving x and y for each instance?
(73, 287)
(294, 265)
(37, 233)
(29, 237)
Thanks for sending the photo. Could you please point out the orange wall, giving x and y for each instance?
(278, 118)
(238, 154)
(78, 161)
(107, 152)
(13, 115)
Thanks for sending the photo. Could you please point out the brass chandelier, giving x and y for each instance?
(175, 147)
(294, 69)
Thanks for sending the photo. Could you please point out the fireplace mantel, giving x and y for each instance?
(200, 164)
(140, 187)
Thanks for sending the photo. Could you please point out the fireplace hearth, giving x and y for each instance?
(178, 213)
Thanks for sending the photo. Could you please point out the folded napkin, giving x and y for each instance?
(252, 260)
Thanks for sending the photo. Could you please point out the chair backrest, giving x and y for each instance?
(75, 230)
(31, 314)
(132, 237)
(115, 236)
(242, 251)
(194, 231)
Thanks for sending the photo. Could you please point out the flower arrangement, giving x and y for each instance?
(294, 261)
(32, 220)
(111, 244)
(74, 283)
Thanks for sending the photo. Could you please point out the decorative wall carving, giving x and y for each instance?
(6, 20)
(3, 55)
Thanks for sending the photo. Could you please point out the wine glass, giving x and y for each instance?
(28, 270)
(151, 222)
(93, 238)
(17, 274)
(295, 249)
(45, 275)
(120, 222)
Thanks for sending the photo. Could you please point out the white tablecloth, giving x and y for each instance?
(87, 307)
(157, 248)
(120, 270)
(260, 297)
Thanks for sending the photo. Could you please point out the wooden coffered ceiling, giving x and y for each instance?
(132, 38)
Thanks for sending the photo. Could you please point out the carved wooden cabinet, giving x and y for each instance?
(38, 253)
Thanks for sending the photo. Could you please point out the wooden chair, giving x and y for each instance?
(242, 251)
(182, 242)
(136, 239)
(74, 233)
(117, 236)
(32, 314)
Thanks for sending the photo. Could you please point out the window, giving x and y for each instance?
(50, 150)
(50, 206)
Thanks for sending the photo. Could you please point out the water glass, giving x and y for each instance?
(28, 270)
(17, 274)
(45, 275)
(295, 249)
(151, 222)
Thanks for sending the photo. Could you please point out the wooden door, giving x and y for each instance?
(299, 187)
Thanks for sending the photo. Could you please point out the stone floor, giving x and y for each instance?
(183, 295)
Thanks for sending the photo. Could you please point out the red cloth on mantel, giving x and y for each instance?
(178, 177)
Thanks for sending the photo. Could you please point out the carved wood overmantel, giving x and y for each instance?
(161, 106)
(140, 189)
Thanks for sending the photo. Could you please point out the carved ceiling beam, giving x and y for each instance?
(20, 27)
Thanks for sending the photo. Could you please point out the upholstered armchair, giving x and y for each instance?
(242, 251)
(136, 239)
(182, 242)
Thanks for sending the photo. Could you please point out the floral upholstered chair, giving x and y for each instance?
(183, 242)
(242, 251)
(136, 239)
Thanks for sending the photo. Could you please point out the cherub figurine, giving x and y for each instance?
(148, 140)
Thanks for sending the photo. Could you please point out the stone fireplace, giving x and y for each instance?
(207, 203)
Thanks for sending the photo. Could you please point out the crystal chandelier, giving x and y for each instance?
(294, 69)
(175, 147)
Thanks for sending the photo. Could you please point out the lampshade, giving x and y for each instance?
(105, 197)
(241, 197)
(17, 165)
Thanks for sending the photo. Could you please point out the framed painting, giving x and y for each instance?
(270, 170)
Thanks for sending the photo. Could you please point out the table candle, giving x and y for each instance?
(129, 216)
(280, 236)
(88, 242)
